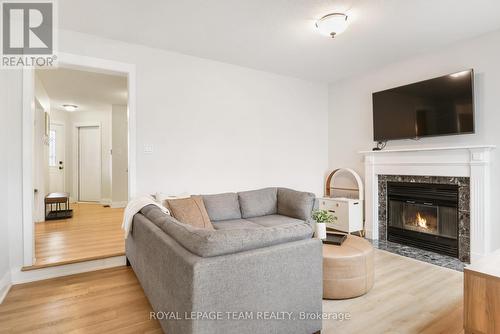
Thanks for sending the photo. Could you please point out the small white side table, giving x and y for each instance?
(348, 213)
(346, 204)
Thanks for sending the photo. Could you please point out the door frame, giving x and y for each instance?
(65, 158)
(76, 156)
(77, 62)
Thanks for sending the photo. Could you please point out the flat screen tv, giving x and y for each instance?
(435, 107)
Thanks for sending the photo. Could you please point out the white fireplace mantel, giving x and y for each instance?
(458, 161)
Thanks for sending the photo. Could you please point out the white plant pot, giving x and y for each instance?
(320, 231)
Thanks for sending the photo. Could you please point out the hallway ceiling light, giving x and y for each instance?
(332, 24)
(70, 107)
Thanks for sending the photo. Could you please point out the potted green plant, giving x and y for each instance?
(322, 217)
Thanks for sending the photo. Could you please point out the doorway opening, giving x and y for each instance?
(88, 166)
(80, 164)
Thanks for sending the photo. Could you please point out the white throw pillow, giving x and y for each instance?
(161, 198)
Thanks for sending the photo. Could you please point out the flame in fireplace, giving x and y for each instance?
(421, 221)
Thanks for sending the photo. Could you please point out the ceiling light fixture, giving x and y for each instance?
(332, 24)
(70, 107)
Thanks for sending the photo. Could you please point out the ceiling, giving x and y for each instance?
(90, 91)
(279, 35)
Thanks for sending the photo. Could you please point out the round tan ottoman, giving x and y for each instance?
(347, 269)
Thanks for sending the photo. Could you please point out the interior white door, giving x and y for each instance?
(89, 164)
(57, 144)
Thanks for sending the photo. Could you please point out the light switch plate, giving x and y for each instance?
(148, 149)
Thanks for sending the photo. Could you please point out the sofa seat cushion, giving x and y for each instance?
(261, 202)
(222, 206)
(235, 224)
(275, 220)
(208, 243)
(296, 204)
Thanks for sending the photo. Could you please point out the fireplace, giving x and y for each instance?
(423, 215)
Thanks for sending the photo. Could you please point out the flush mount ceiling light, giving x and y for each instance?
(70, 107)
(332, 24)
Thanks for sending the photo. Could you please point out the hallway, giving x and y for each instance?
(94, 232)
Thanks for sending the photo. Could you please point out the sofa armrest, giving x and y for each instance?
(295, 204)
(164, 268)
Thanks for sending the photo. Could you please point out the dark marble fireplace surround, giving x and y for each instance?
(463, 184)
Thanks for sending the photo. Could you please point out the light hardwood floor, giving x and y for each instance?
(408, 297)
(106, 301)
(94, 232)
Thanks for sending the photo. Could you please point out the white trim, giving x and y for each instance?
(86, 63)
(131, 132)
(105, 201)
(27, 154)
(76, 155)
(5, 285)
(435, 148)
(116, 205)
(469, 161)
(430, 163)
(19, 276)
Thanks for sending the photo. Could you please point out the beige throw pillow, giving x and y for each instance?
(190, 211)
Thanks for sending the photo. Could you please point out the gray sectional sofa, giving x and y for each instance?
(259, 271)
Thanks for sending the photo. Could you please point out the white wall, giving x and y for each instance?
(214, 127)
(41, 94)
(40, 164)
(41, 151)
(4, 192)
(350, 109)
(218, 127)
(13, 160)
(119, 156)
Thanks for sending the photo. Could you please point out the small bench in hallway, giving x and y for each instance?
(58, 204)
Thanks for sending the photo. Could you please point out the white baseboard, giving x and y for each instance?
(19, 276)
(5, 284)
(105, 201)
(115, 205)
(475, 257)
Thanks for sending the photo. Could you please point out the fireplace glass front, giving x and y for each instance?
(424, 216)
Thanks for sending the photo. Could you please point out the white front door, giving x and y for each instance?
(57, 144)
(89, 164)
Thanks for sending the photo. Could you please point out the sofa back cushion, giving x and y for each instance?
(190, 211)
(256, 203)
(208, 243)
(222, 206)
(295, 204)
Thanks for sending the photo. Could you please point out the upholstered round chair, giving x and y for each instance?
(348, 270)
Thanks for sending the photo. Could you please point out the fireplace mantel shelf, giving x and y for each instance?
(436, 148)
